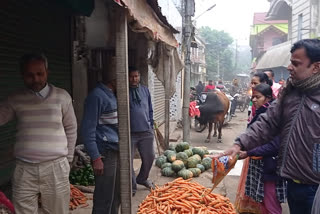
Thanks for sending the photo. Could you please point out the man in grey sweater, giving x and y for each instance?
(141, 122)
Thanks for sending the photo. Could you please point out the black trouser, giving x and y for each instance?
(300, 197)
(144, 142)
(234, 103)
(106, 196)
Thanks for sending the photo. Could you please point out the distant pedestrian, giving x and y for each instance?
(199, 88)
(209, 87)
(275, 86)
(234, 90)
(141, 123)
(99, 131)
(220, 85)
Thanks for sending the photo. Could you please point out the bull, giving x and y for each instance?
(213, 111)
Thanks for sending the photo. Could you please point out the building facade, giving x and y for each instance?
(198, 62)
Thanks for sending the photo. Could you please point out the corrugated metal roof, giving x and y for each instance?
(147, 17)
(276, 56)
(155, 6)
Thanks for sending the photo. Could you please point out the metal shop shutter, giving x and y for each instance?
(30, 26)
(158, 101)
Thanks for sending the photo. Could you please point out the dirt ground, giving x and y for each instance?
(228, 187)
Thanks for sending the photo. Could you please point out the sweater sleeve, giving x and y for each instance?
(6, 112)
(263, 130)
(70, 126)
(266, 150)
(150, 109)
(91, 115)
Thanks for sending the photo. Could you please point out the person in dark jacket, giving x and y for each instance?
(141, 123)
(295, 118)
(199, 88)
(234, 90)
(263, 184)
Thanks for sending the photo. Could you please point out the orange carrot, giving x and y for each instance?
(182, 196)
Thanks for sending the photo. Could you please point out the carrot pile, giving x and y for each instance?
(182, 196)
(77, 198)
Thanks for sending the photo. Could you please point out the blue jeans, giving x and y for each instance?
(300, 197)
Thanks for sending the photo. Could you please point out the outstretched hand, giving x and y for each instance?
(232, 152)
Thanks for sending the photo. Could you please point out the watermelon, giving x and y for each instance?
(165, 165)
(193, 161)
(195, 171)
(161, 160)
(183, 157)
(167, 152)
(177, 165)
(180, 147)
(201, 167)
(199, 150)
(172, 156)
(206, 162)
(188, 152)
(185, 174)
(168, 172)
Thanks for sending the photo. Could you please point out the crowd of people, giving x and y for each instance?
(281, 145)
(282, 139)
(47, 133)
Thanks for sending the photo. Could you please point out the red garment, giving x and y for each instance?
(5, 202)
(193, 111)
(209, 88)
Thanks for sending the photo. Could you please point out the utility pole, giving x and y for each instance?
(236, 57)
(188, 12)
(218, 65)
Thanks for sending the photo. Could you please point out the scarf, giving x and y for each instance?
(259, 111)
(135, 94)
(308, 83)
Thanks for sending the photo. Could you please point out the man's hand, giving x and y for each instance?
(232, 152)
(243, 155)
(98, 166)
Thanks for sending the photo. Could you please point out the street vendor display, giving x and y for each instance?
(184, 161)
(183, 196)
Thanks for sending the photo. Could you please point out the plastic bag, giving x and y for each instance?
(221, 167)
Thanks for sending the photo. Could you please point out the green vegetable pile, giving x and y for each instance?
(83, 176)
(183, 161)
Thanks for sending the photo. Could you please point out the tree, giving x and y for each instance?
(219, 55)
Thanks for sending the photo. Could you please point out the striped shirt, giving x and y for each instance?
(46, 127)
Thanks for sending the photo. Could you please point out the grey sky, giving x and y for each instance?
(232, 16)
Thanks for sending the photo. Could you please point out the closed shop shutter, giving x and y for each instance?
(30, 26)
(159, 101)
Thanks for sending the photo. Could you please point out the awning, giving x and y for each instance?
(279, 10)
(276, 56)
(145, 19)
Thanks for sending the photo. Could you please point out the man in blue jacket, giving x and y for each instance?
(141, 123)
(99, 131)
